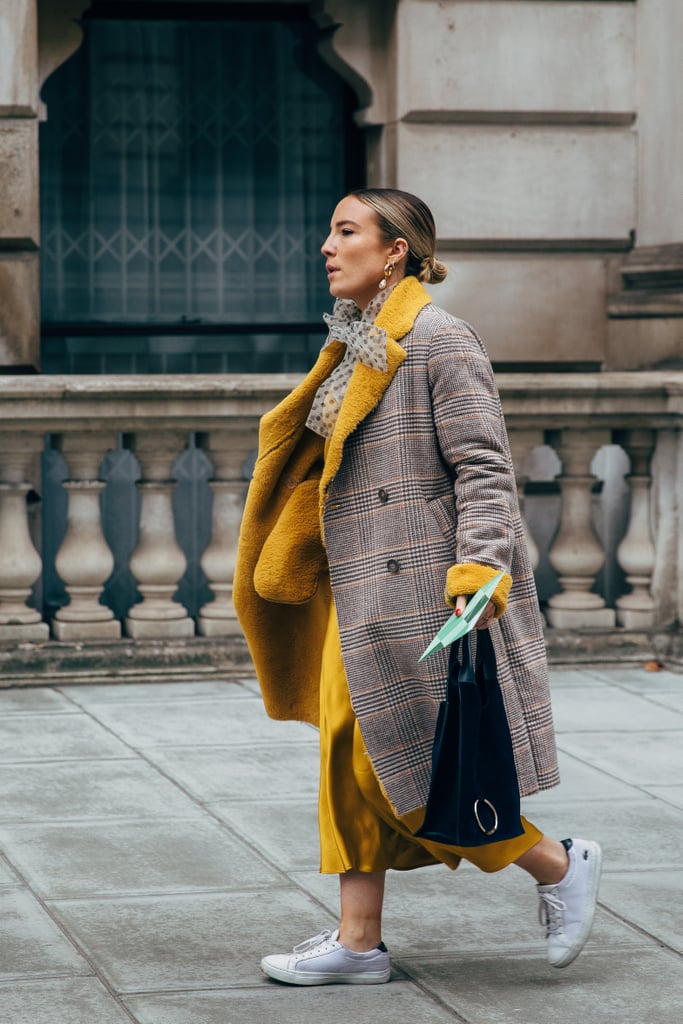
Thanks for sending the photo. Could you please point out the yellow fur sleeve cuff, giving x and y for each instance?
(468, 577)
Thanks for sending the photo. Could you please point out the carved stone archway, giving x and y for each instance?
(358, 44)
(59, 35)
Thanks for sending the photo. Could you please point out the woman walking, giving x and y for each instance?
(383, 492)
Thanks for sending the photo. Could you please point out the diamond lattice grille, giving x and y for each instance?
(188, 171)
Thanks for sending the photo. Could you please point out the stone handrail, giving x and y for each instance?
(575, 414)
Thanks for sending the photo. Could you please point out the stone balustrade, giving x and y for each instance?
(574, 416)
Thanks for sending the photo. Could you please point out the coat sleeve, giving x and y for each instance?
(471, 433)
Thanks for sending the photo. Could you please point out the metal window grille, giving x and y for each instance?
(188, 173)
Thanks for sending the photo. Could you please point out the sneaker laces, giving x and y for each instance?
(550, 912)
(317, 940)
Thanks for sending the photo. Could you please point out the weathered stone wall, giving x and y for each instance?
(19, 208)
(645, 324)
(510, 119)
(547, 136)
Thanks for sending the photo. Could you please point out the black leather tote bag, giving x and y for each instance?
(474, 794)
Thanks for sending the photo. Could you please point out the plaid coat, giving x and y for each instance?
(415, 492)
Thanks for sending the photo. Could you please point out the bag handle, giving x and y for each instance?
(486, 655)
(485, 660)
(466, 670)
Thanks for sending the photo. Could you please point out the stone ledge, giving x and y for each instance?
(654, 266)
(56, 663)
(638, 303)
(652, 284)
(568, 648)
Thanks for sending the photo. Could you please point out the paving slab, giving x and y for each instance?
(379, 1004)
(8, 877)
(132, 857)
(202, 940)
(32, 945)
(34, 700)
(639, 758)
(672, 699)
(652, 899)
(590, 709)
(251, 683)
(89, 789)
(59, 1001)
(581, 677)
(607, 987)
(578, 780)
(672, 795)
(145, 885)
(207, 722)
(285, 832)
(50, 736)
(251, 773)
(161, 692)
(637, 679)
(619, 827)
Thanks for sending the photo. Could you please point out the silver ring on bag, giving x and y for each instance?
(489, 831)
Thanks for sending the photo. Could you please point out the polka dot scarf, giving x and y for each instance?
(364, 342)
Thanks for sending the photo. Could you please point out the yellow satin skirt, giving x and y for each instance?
(359, 829)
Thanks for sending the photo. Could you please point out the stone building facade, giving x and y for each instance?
(547, 137)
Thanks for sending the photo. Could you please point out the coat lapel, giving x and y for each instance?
(367, 385)
(284, 424)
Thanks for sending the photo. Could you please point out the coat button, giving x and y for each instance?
(393, 566)
(383, 496)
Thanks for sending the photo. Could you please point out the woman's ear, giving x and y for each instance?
(400, 248)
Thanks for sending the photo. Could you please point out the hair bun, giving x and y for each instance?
(432, 270)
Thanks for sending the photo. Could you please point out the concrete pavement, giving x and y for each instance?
(158, 838)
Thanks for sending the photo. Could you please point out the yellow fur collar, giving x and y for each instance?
(367, 385)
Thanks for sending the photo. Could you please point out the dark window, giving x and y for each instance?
(188, 172)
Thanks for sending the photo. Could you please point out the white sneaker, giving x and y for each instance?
(323, 960)
(567, 909)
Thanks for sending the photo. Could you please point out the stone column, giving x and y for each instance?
(158, 561)
(19, 207)
(636, 553)
(84, 560)
(576, 553)
(522, 443)
(228, 451)
(20, 563)
(646, 305)
(660, 122)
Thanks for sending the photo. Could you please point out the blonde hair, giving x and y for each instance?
(403, 215)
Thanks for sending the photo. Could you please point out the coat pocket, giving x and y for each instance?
(443, 511)
(293, 557)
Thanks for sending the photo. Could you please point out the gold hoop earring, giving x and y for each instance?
(388, 271)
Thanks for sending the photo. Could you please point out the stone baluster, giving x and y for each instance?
(228, 451)
(576, 553)
(636, 553)
(84, 560)
(20, 563)
(522, 443)
(158, 561)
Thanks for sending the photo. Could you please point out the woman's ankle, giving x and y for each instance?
(547, 862)
(360, 938)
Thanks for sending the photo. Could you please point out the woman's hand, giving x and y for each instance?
(486, 617)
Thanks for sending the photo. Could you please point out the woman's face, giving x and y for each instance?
(356, 253)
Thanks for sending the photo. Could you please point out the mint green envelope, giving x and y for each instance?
(459, 625)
